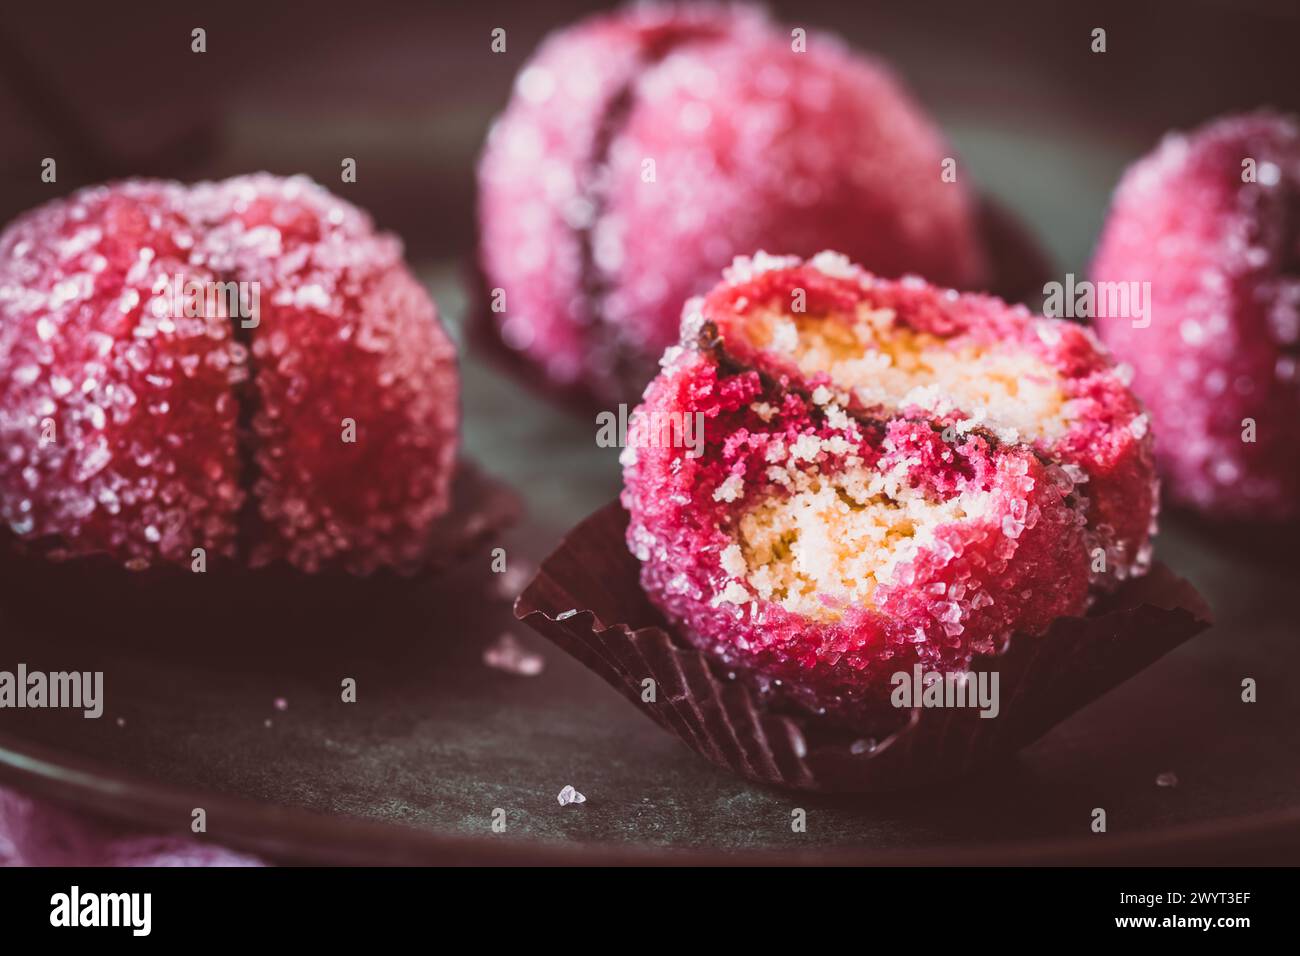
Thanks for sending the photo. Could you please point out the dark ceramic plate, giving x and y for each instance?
(437, 743)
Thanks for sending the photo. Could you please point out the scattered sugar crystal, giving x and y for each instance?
(834, 264)
(734, 593)
(569, 795)
(730, 489)
(806, 447)
(744, 268)
(507, 654)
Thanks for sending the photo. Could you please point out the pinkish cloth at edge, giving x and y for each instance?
(36, 833)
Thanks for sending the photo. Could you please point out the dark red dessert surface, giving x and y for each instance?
(143, 424)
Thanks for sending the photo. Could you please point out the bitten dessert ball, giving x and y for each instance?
(245, 367)
(836, 476)
(1211, 220)
(643, 150)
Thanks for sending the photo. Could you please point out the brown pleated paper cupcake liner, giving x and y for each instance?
(1018, 268)
(95, 590)
(587, 599)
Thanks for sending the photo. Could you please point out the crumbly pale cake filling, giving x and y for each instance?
(831, 543)
(888, 365)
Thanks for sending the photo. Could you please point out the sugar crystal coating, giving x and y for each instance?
(179, 366)
(890, 474)
(643, 149)
(1211, 220)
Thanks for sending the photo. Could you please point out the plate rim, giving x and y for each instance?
(296, 835)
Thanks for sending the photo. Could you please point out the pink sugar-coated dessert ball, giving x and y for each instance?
(1211, 219)
(244, 367)
(642, 150)
(836, 477)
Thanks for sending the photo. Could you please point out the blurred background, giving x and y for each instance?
(409, 90)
